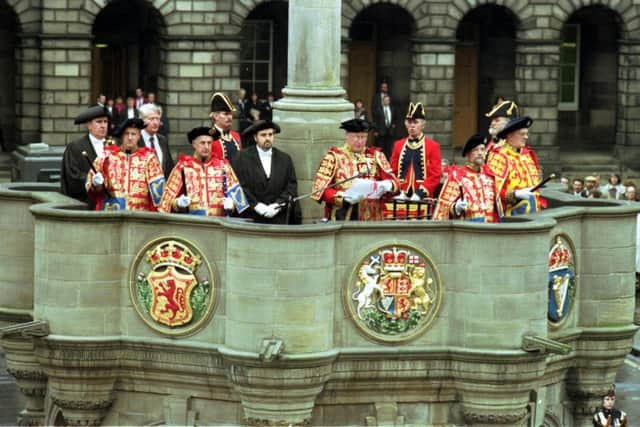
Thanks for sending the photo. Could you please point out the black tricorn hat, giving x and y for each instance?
(199, 131)
(416, 111)
(129, 123)
(261, 125)
(472, 143)
(92, 113)
(356, 125)
(503, 109)
(515, 124)
(220, 102)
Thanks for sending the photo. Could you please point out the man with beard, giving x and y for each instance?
(352, 179)
(228, 143)
(515, 168)
(499, 115)
(469, 191)
(267, 177)
(203, 184)
(81, 153)
(128, 177)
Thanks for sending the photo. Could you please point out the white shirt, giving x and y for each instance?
(155, 147)
(265, 159)
(387, 115)
(131, 113)
(98, 145)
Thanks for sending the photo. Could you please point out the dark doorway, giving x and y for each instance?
(487, 36)
(127, 48)
(264, 49)
(382, 34)
(588, 80)
(8, 30)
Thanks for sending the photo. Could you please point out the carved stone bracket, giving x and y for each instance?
(83, 412)
(512, 418)
(36, 328)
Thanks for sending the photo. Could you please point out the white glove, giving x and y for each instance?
(227, 203)
(183, 201)
(415, 197)
(401, 196)
(261, 209)
(353, 198)
(460, 206)
(272, 210)
(523, 193)
(97, 180)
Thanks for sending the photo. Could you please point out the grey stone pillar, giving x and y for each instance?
(28, 85)
(313, 104)
(537, 88)
(432, 83)
(628, 130)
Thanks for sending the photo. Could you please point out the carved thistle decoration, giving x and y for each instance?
(172, 287)
(393, 294)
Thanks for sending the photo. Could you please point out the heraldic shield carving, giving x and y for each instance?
(562, 280)
(393, 294)
(172, 287)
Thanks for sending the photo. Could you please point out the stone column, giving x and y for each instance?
(433, 84)
(537, 88)
(313, 104)
(28, 89)
(628, 129)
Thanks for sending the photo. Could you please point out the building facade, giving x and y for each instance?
(571, 65)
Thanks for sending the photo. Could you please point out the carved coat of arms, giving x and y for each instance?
(562, 279)
(395, 294)
(172, 286)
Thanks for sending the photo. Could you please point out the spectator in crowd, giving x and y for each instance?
(253, 107)
(377, 115)
(590, 185)
(607, 415)
(140, 100)
(577, 188)
(118, 107)
(164, 120)
(359, 111)
(267, 107)
(630, 193)
(613, 189)
(385, 127)
(101, 100)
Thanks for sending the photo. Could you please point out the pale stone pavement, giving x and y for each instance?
(627, 389)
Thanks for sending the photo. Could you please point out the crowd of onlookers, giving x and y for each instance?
(122, 108)
(591, 187)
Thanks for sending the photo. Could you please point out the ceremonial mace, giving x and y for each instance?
(543, 182)
(104, 187)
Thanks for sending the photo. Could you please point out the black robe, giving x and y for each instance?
(259, 189)
(73, 173)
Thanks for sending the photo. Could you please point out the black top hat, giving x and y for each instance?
(199, 131)
(504, 109)
(261, 125)
(416, 111)
(472, 143)
(129, 123)
(220, 102)
(515, 124)
(92, 113)
(356, 125)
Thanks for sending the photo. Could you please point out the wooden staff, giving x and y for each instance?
(543, 182)
(104, 187)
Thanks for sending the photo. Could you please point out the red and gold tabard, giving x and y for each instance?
(477, 188)
(206, 185)
(135, 182)
(342, 163)
(514, 170)
(227, 146)
(417, 164)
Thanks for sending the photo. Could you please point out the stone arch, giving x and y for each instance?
(91, 8)
(241, 10)
(624, 15)
(434, 23)
(352, 8)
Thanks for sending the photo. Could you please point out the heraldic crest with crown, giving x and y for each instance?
(394, 293)
(172, 287)
(562, 280)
